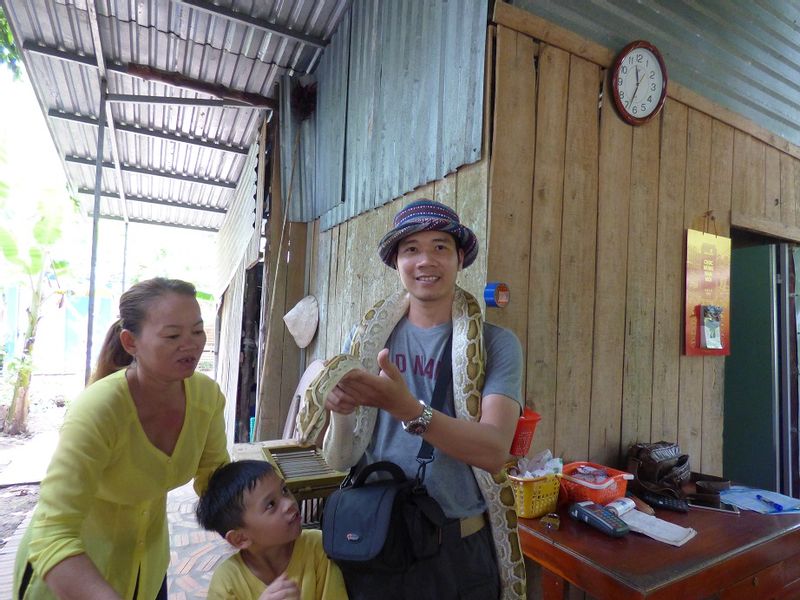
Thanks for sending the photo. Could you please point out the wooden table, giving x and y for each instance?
(750, 556)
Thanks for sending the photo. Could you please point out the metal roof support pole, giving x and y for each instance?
(98, 186)
(125, 258)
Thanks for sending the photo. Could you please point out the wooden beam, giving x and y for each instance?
(161, 223)
(511, 176)
(545, 242)
(763, 225)
(250, 21)
(79, 160)
(159, 201)
(176, 100)
(169, 136)
(220, 91)
(147, 73)
(543, 30)
(669, 268)
(608, 355)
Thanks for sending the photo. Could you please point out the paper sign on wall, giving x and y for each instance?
(708, 294)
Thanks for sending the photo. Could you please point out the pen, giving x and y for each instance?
(768, 502)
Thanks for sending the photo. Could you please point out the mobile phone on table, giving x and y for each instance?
(599, 517)
(718, 506)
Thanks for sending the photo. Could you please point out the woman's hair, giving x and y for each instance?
(221, 507)
(133, 307)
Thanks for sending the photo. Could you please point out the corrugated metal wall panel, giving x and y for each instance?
(398, 90)
(332, 76)
(298, 155)
(237, 232)
(229, 346)
(403, 129)
(743, 55)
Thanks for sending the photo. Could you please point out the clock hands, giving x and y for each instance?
(638, 81)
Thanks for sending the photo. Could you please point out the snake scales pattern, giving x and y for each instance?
(348, 436)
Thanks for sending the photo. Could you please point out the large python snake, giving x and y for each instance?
(348, 436)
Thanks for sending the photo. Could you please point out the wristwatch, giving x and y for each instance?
(419, 425)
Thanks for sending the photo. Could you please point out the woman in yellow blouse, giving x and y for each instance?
(148, 424)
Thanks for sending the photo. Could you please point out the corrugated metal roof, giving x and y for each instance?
(741, 54)
(179, 163)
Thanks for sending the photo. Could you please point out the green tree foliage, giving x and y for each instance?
(29, 235)
(9, 52)
(34, 264)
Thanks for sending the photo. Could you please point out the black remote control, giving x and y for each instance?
(665, 502)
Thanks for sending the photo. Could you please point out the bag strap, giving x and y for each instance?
(425, 454)
(384, 465)
(430, 508)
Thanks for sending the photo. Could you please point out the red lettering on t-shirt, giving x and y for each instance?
(418, 368)
(429, 369)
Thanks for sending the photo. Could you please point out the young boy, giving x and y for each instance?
(249, 505)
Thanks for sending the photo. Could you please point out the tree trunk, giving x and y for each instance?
(17, 417)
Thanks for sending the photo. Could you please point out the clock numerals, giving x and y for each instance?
(638, 58)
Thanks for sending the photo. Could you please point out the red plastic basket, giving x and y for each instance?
(601, 492)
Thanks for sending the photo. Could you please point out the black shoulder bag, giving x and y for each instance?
(389, 524)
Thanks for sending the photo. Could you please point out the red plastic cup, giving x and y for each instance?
(523, 436)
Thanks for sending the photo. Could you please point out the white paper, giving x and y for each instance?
(745, 497)
(658, 529)
(620, 506)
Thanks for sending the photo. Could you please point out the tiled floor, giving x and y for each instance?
(194, 552)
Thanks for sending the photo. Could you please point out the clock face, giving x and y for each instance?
(639, 82)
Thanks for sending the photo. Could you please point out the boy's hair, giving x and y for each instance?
(221, 507)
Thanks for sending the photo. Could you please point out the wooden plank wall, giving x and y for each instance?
(594, 213)
(348, 277)
(284, 284)
(584, 217)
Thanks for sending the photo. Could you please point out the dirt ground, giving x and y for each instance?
(49, 395)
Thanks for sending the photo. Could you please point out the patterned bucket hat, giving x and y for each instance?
(427, 215)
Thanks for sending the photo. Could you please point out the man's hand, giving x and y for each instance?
(339, 401)
(387, 391)
(282, 588)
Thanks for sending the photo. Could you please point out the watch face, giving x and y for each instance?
(416, 428)
(639, 82)
(419, 425)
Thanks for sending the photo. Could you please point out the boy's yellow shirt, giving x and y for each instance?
(315, 574)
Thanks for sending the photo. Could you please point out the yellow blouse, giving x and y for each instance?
(314, 573)
(105, 491)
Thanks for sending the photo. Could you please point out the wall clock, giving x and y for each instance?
(639, 82)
